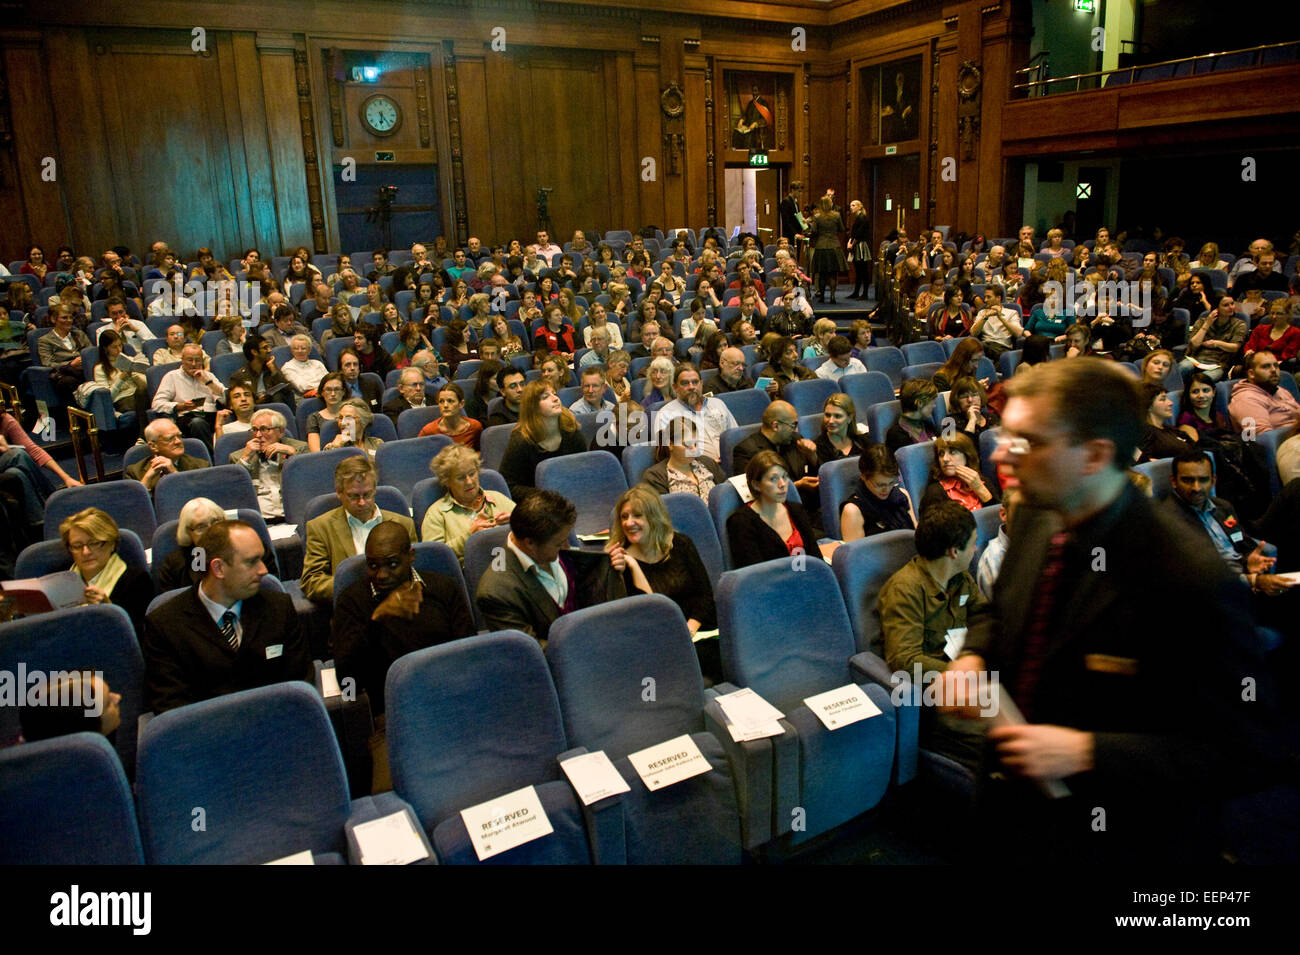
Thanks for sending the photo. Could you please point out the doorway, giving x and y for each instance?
(895, 188)
(752, 197)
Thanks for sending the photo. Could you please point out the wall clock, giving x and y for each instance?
(381, 115)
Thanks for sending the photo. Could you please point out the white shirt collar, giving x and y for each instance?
(215, 610)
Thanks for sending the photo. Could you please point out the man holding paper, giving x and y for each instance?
(1098, 580)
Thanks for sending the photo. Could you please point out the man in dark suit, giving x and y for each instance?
(224, 634)
(535, 580)
(730, 374)
(356, 386)
(410, 393)
(1122, 638)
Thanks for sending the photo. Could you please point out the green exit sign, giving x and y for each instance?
(1084, 6)
(758, 159)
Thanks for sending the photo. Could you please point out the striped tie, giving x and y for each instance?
(228, 629)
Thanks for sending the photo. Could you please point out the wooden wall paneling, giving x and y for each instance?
(826, 128)
(624, 169)
(288, 159)
(490, 145)
(318, 78)
(955, 202)
(111, 68)
(649, 143)
(671, 70)
(33, 209)
(441, 136)
(696, 202)
(997, 83)
(246, 136)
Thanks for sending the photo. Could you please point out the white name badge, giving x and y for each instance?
(955, 641)
(962, 602)
(505, 822)
(843, 706)
(389, 841)
(274, 650)
(298, 858)
(594, 777)
(1236, 538)
(668, 763)
(749, 716)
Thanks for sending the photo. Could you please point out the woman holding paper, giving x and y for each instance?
(91, 537)
(655, 559)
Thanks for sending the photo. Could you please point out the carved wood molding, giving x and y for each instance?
(933, 199)
(315, 202)
(335, 92)
(710, 191)
(422, 99)
(454, 141)
(807, 122)
(850, 184)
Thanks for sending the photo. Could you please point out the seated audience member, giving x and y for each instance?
(661, 348)
(1214, 341)
(990, 563)
(332, 392)
(179, 568)
(600, 351)
(175, 350)
(410, 393)
(648, 331)
(1261, 277)
(538, 579)
(679, 465)
(20, 457)
(955, 475)
(454, 423)
(593, 400)
(131, 331)
(233, 333)
(370, 354)
(510, 384)
(342, 323)
(91, 537)
(779, 432)
(784, 366)
(730, 374)
(60, 351)
(1160, 439)
(923, 611)
(841, 361)
(79, 701)
(659, 376)
(598, 317)
(168, 446)
(1155, 366)
(1288, 457)
(916, 410)
(546, 430)
(1051, 317)
(656, 559)
(237, 416)
(1198, 416)
(225, 634)
(710, 415)
(997, 327)
(190, 394)
(392, 611)
(458, 346)
(302, 371)
(880, 503)
(1078, 339)
(354, 421)
(962, 363)
(484, 390)
(263, 457)
(357, 386)
(967, 403)
(339, 534)
(284, 325)
(555, 332)
(824, 329)
(1260, 399)
(841, 436)
(769, 527)
(553, 369)
(1277, 335)
(952, 320)
(467, 507)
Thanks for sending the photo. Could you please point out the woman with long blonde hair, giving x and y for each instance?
(860, 248)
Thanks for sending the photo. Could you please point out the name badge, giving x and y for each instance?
(1235, 538)
(962, 601)
(275, 650)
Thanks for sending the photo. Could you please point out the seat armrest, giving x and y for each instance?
(905, 696)
(603, 818)
(370, 808)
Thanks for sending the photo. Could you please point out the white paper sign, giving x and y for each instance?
(955, 640)
(841, 707)
(329, 682)
(505, 822)
(298, 858)
(594, 777)
(749, 716)
(282, 531)
(741, 484)
(667, 763)
(389, 841)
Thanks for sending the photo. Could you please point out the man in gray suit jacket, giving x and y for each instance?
(533, 580)
(263, 458)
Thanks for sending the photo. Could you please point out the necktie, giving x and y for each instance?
(228, 629)
(1040, 616)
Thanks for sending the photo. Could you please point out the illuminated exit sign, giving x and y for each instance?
(1084, 6)
(758, 159)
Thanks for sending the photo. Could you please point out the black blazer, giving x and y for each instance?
(371, 393)
(510, 599)
(753, 542)
(187, 660)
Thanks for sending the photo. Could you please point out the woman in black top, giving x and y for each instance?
(828, 257)
(880, 503)
(860, 249)
(769, 527)
(914, 425)
(1199, 296)
(546, 430)
(1160, 439)
(485, 389)
(968, 405)
(839, 437)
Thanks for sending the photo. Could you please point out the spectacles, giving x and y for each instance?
(87, 545)
(262, 427)
(168, 438)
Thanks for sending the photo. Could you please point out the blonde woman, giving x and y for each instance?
(467, 507)
(859, 246)
(91, 538)
(598, 316)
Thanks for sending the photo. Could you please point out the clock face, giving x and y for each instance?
(381, 114)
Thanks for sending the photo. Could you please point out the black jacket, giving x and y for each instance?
(753, 542)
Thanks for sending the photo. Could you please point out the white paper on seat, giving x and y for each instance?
(667, 763)
(389, 841)
(741, 485)
(505, 822)
(329, 682)
(298, 858)
(699, 635)
(954, 641)
(749, 716)
(1292, 577)
(842, 707)
(279, 532)
(594, 777)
